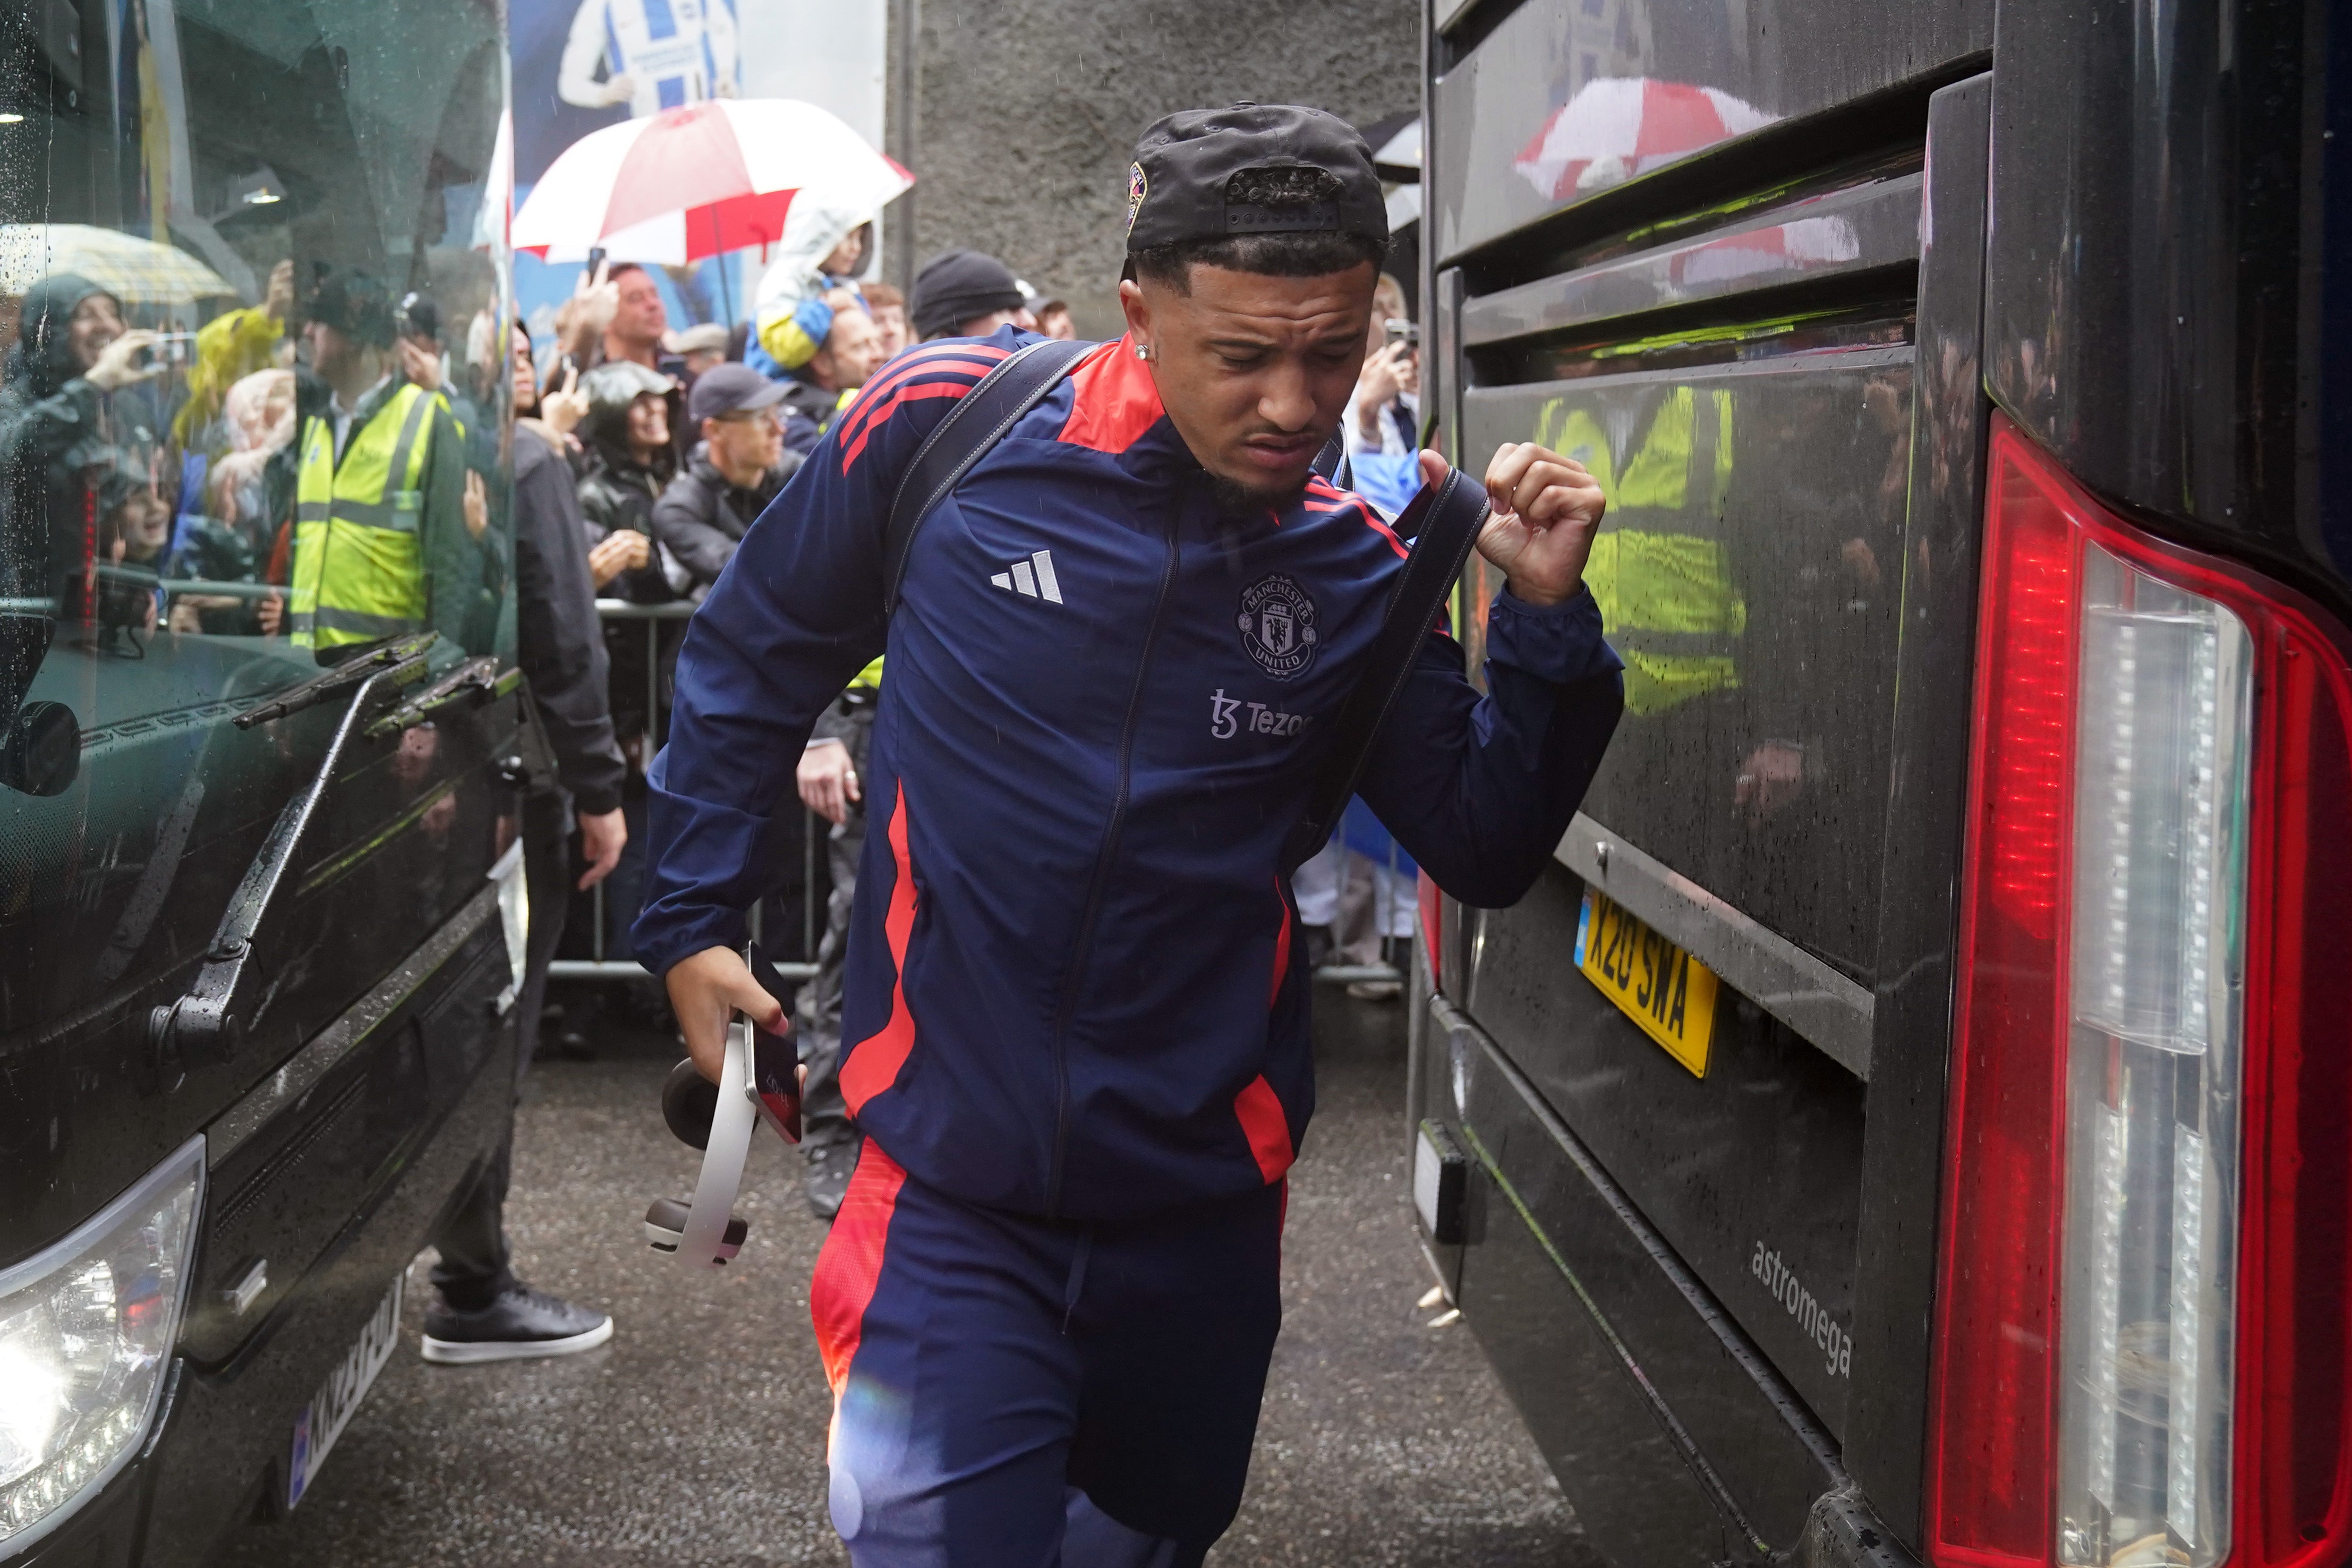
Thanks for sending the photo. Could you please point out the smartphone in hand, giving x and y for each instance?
(775, 1058)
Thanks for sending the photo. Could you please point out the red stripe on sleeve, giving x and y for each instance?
(1267, 1128)
(904, 394)
(977, 358)
(872, 1065)
(1321, 487)
(976, 363)
(851, 1264)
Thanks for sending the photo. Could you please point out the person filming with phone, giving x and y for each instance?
(1385, 414)
(1122, 649)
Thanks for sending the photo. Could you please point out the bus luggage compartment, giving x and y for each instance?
(1684, 1214)
(1673, 1434)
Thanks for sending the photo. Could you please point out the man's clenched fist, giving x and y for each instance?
(1547, 510)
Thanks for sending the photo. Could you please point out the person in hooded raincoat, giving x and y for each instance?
(71, 406)
(823, 250)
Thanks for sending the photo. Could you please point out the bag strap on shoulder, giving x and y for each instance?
(978, 421)
(1443, 521)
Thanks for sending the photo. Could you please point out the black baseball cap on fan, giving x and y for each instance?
(1177, 189)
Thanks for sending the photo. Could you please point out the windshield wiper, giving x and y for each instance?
(402, 656)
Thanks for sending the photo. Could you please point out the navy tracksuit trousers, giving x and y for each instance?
(1016, 1393)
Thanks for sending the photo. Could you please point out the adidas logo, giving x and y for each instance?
(1032, 579)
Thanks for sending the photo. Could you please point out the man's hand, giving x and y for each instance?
(1547, 509)
(565, 406)
(277, 299)
(707, 991)
(1382, 378)
(476, 505)
(419, 362)
(601, 838)
(827, 782)
(595, 301)
(625, 549)
(269, 613)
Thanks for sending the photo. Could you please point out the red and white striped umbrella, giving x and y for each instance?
(1617, 127)
(1792, 247)
(699, 181)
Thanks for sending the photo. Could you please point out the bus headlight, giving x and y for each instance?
(86, 1328)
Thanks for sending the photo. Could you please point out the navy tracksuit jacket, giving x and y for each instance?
(1073, 984)
(1075, 988)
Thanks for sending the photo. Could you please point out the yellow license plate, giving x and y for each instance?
(1658, 985)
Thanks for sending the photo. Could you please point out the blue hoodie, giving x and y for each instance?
(1075, 986)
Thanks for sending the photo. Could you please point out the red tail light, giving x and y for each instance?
(2142, 1337)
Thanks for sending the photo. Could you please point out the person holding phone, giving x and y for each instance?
(74, 404)
(1385, 414)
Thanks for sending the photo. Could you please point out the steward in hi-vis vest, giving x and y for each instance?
(384, 543)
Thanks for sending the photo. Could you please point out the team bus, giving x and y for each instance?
(260, 915)
(1907, 1122)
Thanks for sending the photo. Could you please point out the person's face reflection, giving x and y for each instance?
(526, 377)
(648, 424)
(97, 321)
(331, 352)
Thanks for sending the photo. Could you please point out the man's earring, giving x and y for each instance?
(1142, 351)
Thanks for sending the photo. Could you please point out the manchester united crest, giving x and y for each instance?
(1277, 625)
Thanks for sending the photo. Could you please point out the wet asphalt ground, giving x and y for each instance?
(697, 1437)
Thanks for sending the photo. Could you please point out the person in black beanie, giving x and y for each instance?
(967, 294)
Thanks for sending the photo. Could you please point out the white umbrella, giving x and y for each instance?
(700, 180)
(135, 270)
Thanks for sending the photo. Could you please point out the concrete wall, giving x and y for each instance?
(1018, 117)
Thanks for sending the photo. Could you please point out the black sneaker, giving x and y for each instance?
(520, 1324)
(829, 1168)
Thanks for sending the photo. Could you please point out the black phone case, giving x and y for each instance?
(775, 1058)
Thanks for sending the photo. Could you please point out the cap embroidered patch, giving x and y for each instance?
(1137, 187)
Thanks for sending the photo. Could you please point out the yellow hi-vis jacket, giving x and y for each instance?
(1674, 610)
(358, 548)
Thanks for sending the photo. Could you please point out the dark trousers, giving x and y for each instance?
(825, 1116)
(1008, 1391)
(473, 1271)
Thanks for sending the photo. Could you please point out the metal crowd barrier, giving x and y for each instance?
(597, 966)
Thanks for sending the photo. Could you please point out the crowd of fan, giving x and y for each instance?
(641, 457)
(674, 442)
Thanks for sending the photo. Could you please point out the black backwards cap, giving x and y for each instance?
(355, 305)
(1176, 189)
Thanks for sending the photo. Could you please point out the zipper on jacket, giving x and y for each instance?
(1082, 947)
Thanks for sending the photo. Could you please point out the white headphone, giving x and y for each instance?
(759, 1082)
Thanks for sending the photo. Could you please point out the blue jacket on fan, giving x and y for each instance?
(1073, 985)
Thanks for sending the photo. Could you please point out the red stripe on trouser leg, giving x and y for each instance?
(851, 1263)
(1281, 950)
(1265, 1126)
(872, 1065)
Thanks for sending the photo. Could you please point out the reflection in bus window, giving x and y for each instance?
(251, 286)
